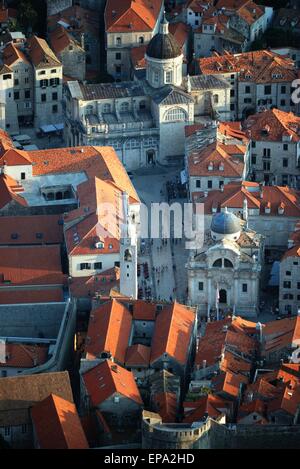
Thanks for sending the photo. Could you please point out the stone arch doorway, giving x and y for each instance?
(151, 157)
(223, 296)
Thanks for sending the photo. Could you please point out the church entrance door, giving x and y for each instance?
(223, 296)
(150, 157)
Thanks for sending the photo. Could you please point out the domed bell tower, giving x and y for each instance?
(164, 58)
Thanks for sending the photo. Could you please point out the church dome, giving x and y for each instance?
(163, 45)
(225, 223)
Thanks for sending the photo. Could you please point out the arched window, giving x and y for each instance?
(216, 98)
(217, 263)
(228, 263)
(106, 108)
(176, 114)
(127, 256)
(141, 40)
(124, 107)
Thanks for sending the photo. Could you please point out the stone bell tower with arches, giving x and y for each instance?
(128, 253)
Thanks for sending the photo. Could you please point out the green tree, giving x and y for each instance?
(27, 15)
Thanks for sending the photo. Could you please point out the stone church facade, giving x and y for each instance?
(144, 120)
(225, 273)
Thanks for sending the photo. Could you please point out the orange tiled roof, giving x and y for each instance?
(225, 160)
(23, 355)
(281, 334)
(57, 424)
(172, 333)
(30, 265)
(229, 383)
(47, 295)
(106, 379)
(40, 53)
(257, 67)
(144, 311)
(292, 252)
(138, 355)
(102, 284)
(198, 6)
(165, 404)
(12, 54)
(258, 197)
(131, 15)
(109, 330)
(14, 157)
(235, 364)
(138, 57)
(100, 162)
(233, 130)
(28, 227)
(272, 125)
(9, 191)
(210, 406)
(180, 31)
(60, 39)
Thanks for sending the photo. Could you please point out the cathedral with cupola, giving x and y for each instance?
(144, 119)
(224, 275)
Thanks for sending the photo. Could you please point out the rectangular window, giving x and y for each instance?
(118, 56)
(285, 147)
(198, 183)
(54, 108)
(253, 144)
(6, 431)
(27, 94)
(268, 89)
(245, 287)
(282, 102)
(267, 152)
(43, 83)
(16, 81)
(42, 72)
(98, 265)
(16, 95)
(53, 70)
(287, 284)
(247, 100)
(26, 80)
(247, 89)
(285, 162)
(54, 96)
(209, 184)
(85, 266)
(200, 286)
(43, 98)
(266, 166)
(283, 89)
(253, 159)
(288, 273)
(54, 81)
(232, 107)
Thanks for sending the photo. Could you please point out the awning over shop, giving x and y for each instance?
(59, 126)
(48, 128)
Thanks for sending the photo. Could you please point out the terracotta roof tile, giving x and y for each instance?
(47, 295)
(131, 16)
(57, 425)
(138, 355)
(60, 39)
(258, 197)
(144, 311)
(12, 54)
(40, 53)
(272, 125)
(9, 191)
(109, 330)
(20, 355)
(30, 265)
(165, 404)
(106, 379)
(101, 284)
(257, 67)
(224, 160)
(32, 229)
(207, 406)
(172, 333)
